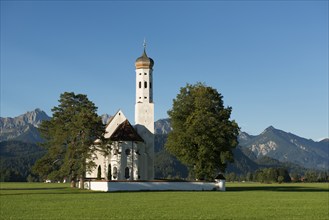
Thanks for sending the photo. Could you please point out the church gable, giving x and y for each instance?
(113, 123)
(125, 132)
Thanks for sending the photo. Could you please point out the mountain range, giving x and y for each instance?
(23, 128)
(273, 147)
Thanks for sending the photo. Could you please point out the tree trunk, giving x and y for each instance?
(82, 182)
(73, 183)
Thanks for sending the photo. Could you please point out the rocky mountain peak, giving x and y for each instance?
(162, 126)
(105, 118)
(34, 117)
(23, 126)
(269, 129)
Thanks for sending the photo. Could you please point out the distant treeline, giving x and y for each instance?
(279, 175)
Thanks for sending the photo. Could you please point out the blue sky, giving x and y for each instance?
(269, 59)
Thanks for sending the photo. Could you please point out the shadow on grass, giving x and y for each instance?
(43, 191)
(41, 188)
(276, 189)
(68, 190)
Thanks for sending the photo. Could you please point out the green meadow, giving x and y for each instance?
(240, 201)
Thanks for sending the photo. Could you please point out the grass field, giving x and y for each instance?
(240, 201)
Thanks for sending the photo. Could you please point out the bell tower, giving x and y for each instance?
(144, 113)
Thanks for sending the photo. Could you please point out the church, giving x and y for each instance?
(131, 155)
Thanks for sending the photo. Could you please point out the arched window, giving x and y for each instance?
(115, 172)
(99, 172)
(150, 85)
(127, 173)
(140, 84)
(145, 84)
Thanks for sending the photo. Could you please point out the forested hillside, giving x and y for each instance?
(16, 160)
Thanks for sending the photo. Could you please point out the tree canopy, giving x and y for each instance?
(203, 135)
(69, 138)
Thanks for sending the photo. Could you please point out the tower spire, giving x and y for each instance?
(144, 43)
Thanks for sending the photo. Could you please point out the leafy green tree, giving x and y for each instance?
(69, 139)
(231, 177)
(311, 176)
(260, 176)
(271, 175)
(295, 177)
(249, 176)
(285, 174)
(280, 179)
(203, 135)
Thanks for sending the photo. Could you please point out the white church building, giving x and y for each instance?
(131, 155)
(129, 166)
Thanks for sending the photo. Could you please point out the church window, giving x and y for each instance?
(127, 173)
(127, 151)
(140, 97)
(145, 84)
(115, 172)
(140, 84)
(99, 172)
(145, 74)
(145, 97)
(150, 85)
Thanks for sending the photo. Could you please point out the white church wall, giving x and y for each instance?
(144, 85)
(99, 160)
(144, 119)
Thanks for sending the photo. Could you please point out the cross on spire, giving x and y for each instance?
(144, 43)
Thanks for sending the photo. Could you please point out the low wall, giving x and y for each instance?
(114, 186)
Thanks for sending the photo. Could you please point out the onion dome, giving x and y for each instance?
(144, 62)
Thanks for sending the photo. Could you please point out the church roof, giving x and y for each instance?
(144, 62)
(125, 132)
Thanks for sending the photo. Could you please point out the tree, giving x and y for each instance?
(295, 177)
(285, 174)
(203, 135)
(311, 176)
(280, 179)
(249, 177)
(231, 177)
(69, 139)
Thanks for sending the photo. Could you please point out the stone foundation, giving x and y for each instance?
(114, 186)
